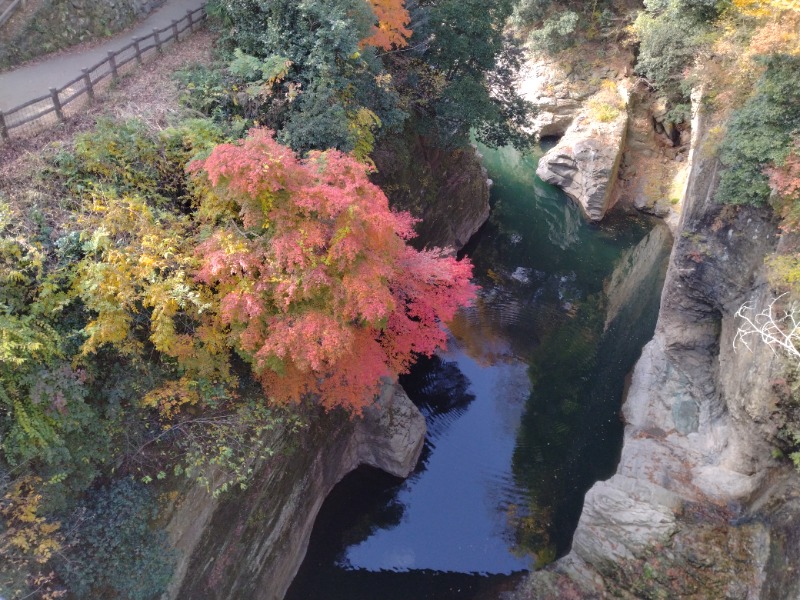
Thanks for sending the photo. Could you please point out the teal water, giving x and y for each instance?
(522, 409)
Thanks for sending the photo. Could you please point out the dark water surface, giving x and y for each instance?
(523, 408)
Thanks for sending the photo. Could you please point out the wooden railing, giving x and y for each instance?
(46, 108)
(7, 9)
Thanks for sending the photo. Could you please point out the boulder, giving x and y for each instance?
(585, 161)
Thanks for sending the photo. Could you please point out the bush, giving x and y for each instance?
(127, 157)
(110, 549)
(529, 12)
(761, 133)
(556, 33)
(669, 40)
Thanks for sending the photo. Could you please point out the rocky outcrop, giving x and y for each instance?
(584, 163)
(698, 507)
(446, 189)
(250, 544)
(559, 87)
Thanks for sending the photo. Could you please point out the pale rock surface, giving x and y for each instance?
(556, 96)
(584, 163)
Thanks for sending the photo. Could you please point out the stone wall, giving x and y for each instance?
(58, 24)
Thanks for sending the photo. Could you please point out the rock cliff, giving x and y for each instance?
(447, 190)
(250, 544)
(698, 507)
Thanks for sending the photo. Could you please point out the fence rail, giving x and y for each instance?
(113, 65)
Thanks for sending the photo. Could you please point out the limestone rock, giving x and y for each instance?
(556, 94)
(584, 163)
(696, 471)
(391, 434)
(615, 525)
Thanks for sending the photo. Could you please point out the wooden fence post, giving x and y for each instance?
(158, 39)
(191, 21)
(138, 52)
(57, 104)
(87, 82)
(112, 62)
(3, 129)
(175, 29)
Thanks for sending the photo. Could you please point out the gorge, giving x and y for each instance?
(211, 295)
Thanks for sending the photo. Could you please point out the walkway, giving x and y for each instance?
(26, 82)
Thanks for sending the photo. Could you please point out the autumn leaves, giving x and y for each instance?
(298, 265)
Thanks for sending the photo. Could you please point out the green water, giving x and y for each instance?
(522, 409)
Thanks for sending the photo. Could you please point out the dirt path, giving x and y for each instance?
(28, 81)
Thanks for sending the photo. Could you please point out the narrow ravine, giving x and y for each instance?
(523, 409)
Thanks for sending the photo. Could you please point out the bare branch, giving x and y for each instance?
(779, 329)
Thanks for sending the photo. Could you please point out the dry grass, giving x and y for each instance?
(148, 93)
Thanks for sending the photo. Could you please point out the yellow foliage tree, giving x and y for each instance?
(28, 540)
(137, 279)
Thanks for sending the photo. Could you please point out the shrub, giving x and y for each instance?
(761, 133)
(111, 550)
(556, 33)
(669, 40)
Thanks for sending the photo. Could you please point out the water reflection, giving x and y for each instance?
(468, 473)
(522, 410)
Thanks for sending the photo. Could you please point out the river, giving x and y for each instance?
(523, 409)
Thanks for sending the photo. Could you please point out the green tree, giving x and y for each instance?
(461, 73)
(331, 77)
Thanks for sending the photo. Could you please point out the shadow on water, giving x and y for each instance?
(522, 409)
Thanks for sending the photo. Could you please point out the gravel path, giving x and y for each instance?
(28, 81)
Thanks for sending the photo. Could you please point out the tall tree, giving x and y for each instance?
(459, 72)
(334, 72)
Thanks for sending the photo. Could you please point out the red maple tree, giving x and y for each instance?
(313, 275)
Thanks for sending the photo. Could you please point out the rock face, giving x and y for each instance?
(250, 545)
(556, 95)
(697, 501)
(447, 190)
(584, 163)
(558, 88)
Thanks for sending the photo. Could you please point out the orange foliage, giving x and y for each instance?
(778, 35)
(392, 28)
(785, 181)
(313, 276)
